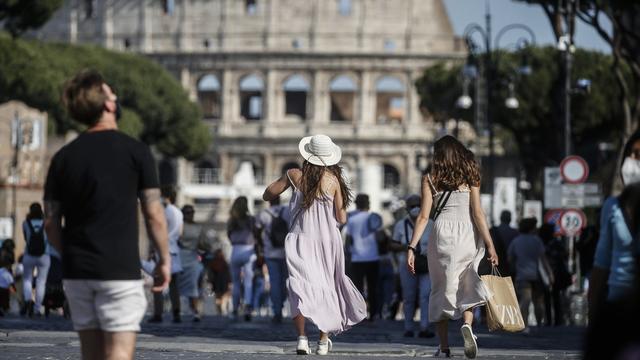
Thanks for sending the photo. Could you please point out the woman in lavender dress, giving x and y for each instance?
(318, 288)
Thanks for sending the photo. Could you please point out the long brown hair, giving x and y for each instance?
(453, 165)
(239, 216)
(311, 182)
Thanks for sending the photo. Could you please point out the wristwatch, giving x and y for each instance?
(411, 248)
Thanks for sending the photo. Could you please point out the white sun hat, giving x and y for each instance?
(320, 150)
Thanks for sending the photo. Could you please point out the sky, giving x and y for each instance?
(505, 12)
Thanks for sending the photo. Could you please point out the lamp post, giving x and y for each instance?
(490, 65)
(17, 144)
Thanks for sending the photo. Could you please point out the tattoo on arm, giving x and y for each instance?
(53, 210)
(148, 196)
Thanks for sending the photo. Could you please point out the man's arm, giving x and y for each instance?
(53, 224)
(156, 224)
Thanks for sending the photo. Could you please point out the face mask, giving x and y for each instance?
(118, 110)
(630, 171)
(414, 212)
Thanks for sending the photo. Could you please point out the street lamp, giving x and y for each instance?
(511, 102)
(488, 72)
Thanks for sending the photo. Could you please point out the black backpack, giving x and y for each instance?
(279, 229)
(36, 245)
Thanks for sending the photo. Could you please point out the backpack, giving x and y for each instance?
(36, 245)
(279, 229)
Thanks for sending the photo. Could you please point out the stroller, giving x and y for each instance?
(54, 294)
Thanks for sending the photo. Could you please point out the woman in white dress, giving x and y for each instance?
(457, 243)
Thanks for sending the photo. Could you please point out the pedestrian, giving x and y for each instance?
(416, 288)
(36, 257)
(611, 323)
(613, 268)
(241, 231)
(557, 256)
(7, 286)
(94, 184)
(175, 224)
(386, 275)
(525, 254)
(365, 259)
(502, 236)
(319, 289)
(457, 241)
(191, 244)
(273, 224)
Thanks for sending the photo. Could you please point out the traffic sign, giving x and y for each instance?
(574, 170)
(572, 222)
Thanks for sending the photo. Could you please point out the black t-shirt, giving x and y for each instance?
(96, 179)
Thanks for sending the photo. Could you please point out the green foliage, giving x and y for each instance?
(535, 126)
(18, 16)
(156, 108)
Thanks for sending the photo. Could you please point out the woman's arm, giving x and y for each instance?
(421, 222)
(480, 221)
(277, 187)
(338, 204)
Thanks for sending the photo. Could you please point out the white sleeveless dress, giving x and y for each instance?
(454, 251)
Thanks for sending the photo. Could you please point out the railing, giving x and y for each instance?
(206, 176)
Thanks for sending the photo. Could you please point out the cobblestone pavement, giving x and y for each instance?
(219, 337)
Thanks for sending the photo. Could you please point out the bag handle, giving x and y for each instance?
(495, 271)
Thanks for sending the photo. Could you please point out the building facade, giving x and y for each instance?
(23, 165)
(268, 72)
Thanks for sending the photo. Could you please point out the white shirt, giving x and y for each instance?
(364, 246)
(402, 237)
(6, 279)
(264, 220)
(174, 226)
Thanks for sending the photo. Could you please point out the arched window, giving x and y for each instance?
(209, 96)
(296, 88)
(251, 88)
(390, 177)
(342, 93)
(390, 99)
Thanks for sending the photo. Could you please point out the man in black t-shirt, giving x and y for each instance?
(94, 183)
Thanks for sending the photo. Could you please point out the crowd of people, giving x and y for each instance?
(332, 267)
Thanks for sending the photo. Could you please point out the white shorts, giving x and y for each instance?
(107, 305)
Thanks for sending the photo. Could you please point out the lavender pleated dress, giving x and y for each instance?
(317, 284)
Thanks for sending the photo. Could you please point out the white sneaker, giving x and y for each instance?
(470, 345)
(324, 347)
(303, 346)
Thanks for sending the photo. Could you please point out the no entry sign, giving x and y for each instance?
(574, 170)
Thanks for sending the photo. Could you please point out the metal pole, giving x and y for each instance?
(14, 187)
(487, 114)
(568, 13)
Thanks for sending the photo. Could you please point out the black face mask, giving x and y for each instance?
(118, 111)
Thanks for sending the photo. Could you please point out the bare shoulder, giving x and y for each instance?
(295, 175)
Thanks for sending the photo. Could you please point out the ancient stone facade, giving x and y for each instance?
(268, 72)
(23, 165)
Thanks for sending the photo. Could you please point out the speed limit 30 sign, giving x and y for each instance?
(572, 221)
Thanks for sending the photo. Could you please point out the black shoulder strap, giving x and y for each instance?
(442, 202)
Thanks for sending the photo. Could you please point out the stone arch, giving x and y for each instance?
(251, 88)
(390, 99)
(296, 90)
(342, 95)
(209, 96)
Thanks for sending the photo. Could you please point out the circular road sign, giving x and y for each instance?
(574, 170)
(572, 222)
(553, 217)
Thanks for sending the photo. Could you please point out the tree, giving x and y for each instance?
(156, 108)
(18, 16)
(624, 40)
(596, 115)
